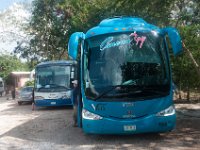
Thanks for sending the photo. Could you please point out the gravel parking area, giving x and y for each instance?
(51, 129)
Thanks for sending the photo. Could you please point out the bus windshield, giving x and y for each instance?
(126, 65)
(52, 78)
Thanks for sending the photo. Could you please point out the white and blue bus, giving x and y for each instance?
(53, 83)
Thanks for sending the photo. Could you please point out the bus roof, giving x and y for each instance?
(57, 62)
(121, 24)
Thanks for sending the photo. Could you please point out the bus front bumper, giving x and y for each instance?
(53, 102)
(148, 124)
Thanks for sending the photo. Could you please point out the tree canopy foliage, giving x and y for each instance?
(53, 21)
(10, 63)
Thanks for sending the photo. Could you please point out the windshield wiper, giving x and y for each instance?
(49, 86)
(124, 84)
(129, 82)
(135, 90)
(42, 87)
(106, 92)
(141, 92)
(154, 91)
(60, 86)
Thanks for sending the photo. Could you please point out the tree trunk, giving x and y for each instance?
(193, 60)
(179, 93)
(188, 91)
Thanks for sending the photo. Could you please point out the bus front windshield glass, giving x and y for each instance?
(52, 78)
(126, 65)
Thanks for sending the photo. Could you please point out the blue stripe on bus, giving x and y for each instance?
(53, 102)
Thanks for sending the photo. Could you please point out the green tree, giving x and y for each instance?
(53, 21)
(187, 19)
(29, 83)
(48, 31)
(10, 63)
(84, 14)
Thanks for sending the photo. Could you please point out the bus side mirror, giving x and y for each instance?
(175, 39)
(73, 44)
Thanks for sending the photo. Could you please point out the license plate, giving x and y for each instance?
(53, 103)
(130, 128)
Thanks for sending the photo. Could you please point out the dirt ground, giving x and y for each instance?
(51, 129)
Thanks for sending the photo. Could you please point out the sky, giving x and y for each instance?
(4, 4)
(7, 41)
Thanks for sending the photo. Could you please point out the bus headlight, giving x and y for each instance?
(167, 112)
(90, 116)
(38, 98)
(66, 97)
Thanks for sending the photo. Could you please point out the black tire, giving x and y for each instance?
(79, 109)
(19, 103)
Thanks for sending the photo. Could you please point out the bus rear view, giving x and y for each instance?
(53, 85)
(126, 77)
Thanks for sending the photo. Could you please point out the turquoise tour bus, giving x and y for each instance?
(125, 76)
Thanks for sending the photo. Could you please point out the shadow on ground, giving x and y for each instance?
(54, 125)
